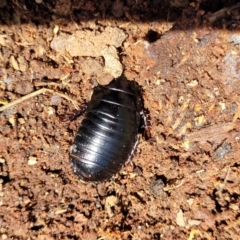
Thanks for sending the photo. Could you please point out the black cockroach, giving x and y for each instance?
(107, 136)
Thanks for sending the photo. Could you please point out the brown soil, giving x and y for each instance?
(184, 182)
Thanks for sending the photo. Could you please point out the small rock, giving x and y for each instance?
(4, 236)
(180, 218)
(60, 211)
(222, 151)
(157, 186)
(24, 87)
(32, 160)
(91, 67)
(101, 189)
(14, 63)
(112, 63)
(190, 201)
(111, 201)
(22, 63)
(206, 216)
(55, 100)
(193, 222)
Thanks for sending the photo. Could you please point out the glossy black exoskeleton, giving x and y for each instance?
(107, 136)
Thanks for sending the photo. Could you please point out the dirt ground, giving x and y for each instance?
(184, 182)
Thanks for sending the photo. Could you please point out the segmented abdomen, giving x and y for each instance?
(107, 135)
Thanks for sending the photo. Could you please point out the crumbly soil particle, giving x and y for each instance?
(184, 181)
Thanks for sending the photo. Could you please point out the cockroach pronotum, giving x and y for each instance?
(107, 136)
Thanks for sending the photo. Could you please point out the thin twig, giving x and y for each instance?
(226, 176)
(34, 94)
(222, 13)
(16, 125)
(225, 180)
